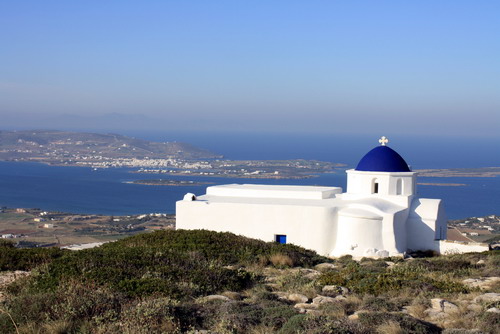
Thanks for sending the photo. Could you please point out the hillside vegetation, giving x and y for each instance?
(41, 145)
(186, 281)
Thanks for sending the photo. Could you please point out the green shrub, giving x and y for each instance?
(326, 325)
(294, 325)
(152, 315)
(6, 244)
(365, 280)
(26, 258)
(138, 271)
(226, 248)
(407, 323)
(378, 304)
(489, 322)
(277, 316)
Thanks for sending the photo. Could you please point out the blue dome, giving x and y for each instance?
(382, 159)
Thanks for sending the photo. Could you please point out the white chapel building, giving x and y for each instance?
(379, 215)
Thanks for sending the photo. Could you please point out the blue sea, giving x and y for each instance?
(82, 190)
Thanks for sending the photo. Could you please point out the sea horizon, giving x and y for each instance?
(420, 152)
(109, 191)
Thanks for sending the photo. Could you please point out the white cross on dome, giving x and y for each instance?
(383, 141)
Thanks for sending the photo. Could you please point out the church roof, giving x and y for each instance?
(383, 159)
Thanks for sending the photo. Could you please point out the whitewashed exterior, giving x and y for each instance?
(371, 220)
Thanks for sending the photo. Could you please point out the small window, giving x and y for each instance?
(280, 238)
(374, 186)
(399, 187)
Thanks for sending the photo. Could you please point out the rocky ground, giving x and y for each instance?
(8, 277)
(452, 314)
(208, 282)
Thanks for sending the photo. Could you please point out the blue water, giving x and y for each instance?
(81, 190)
(418, 151)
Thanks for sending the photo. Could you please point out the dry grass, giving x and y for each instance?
(58, 327)
(352, 304)
(333, 310)
(389, 327)
(293, 281)
(261, 329)
(281, 260)
(417, 311)
(462, 318)
(418, 306)
(53, 327)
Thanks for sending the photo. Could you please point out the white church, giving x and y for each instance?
(379, 215)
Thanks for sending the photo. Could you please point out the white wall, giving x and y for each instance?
(360, 182)
(426, 216)
(312, 227)
(357, 231)
(274, 191)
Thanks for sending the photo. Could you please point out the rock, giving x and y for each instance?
(310, 273)
(325, 266)
(323, 299)
(306, 306)
(314, 312)
(281, 295)
(334, 290)
(442, 305)
(389, 263)
(382, 253)
(493, 310)
(272, 286)
(482, 283)
(270, 279)
(434, 314)
(232, 295)
(490, 297)
(9, 277)
(355, 315)
(216, 297)
(474, 307)
(297, 298)
(481, 262)
(340, 298)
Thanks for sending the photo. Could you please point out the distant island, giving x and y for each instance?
(441, 184)
(70, 148)
(248, 169)
(171, 183)
(460, 172)
(97, 151)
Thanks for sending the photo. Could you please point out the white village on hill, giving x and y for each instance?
(379, 215)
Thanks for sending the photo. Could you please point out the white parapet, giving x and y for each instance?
(273, 191)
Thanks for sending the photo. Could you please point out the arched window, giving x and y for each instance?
(374, 186)
(399, 187)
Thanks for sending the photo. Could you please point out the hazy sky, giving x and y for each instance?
(429, 67)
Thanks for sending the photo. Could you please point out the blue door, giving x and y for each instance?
(281, 238)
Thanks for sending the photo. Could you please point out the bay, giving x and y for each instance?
(82, 190)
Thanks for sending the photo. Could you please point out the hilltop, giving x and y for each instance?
(209, 282)
(62, 147)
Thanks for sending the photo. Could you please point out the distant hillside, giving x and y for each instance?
(46, 145)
